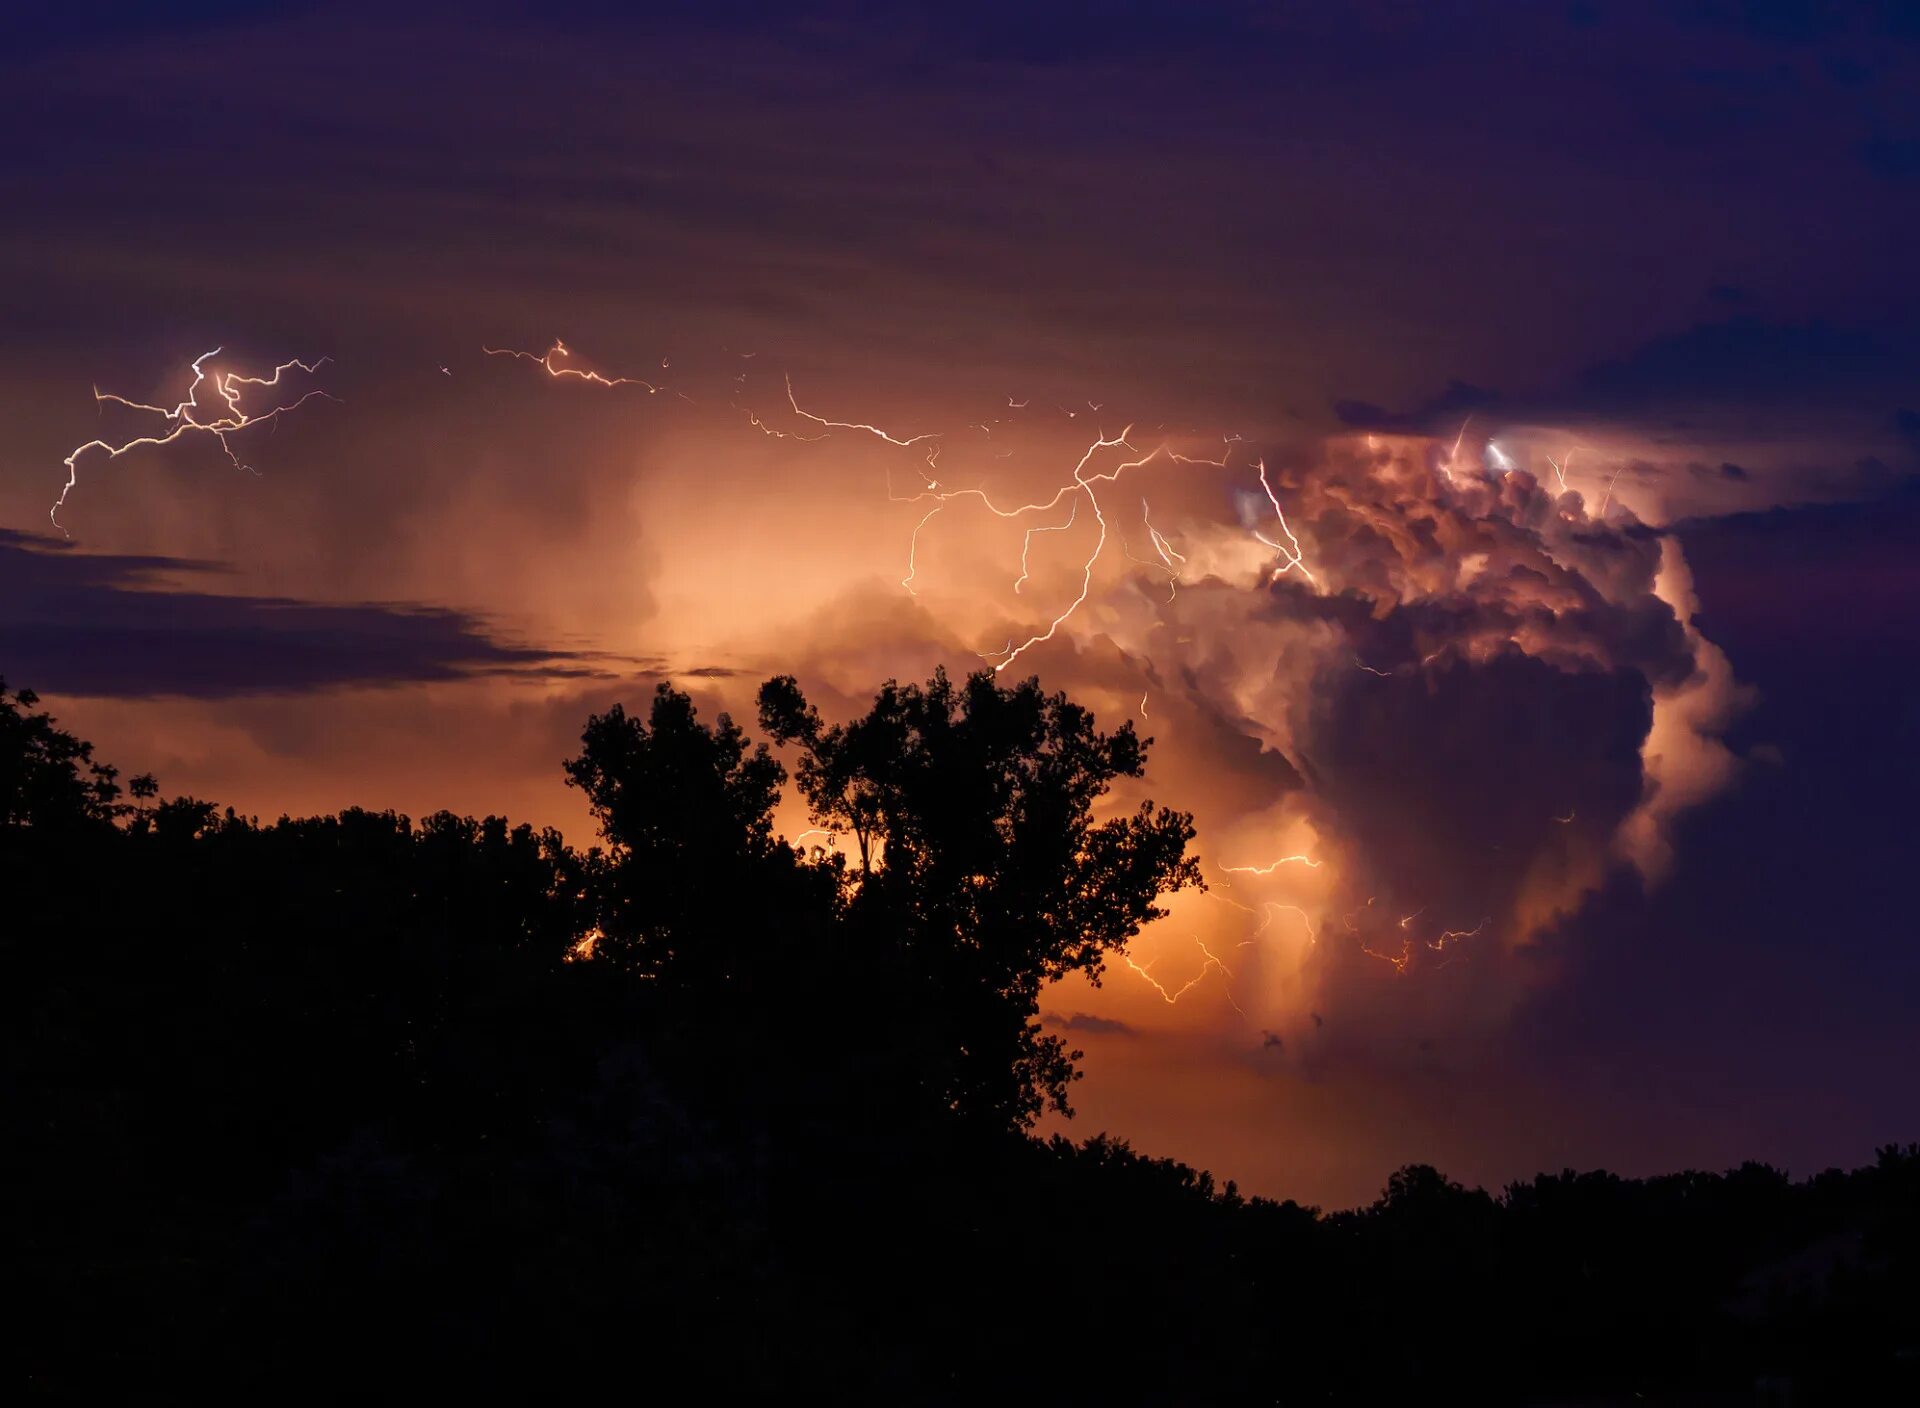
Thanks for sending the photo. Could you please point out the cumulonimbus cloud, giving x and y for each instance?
(1414, 761)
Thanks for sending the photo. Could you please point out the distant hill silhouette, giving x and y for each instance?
(354, 1105)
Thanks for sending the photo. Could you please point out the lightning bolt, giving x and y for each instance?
(1265, 913)
(562, 351)
(1410, 946)
(185, 418)
(1080, 484)
(1398, 961)
(1165, 549)
(1026, 540)
(1607, 498)
(1454, 453)
(224, 413)
(766, 429)
(1172, 998)
(1292, 553)
(1226, 975)
(1160, 545)
(1272, 866)
(913, 549)
(1086, 575)
(1451, 936)
(854, 424)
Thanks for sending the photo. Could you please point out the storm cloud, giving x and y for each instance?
(121, 626)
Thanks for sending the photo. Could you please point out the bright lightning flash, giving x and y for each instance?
(560, 352)
(190, 417)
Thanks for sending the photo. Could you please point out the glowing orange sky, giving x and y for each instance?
(1304, 250)
(727, 535)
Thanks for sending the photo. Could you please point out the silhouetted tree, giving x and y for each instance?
(972, 808)
(339, 1100)
(49, 778)
(687, 811)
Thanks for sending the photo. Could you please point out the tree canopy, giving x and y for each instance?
(972, 807)
(454, 1107)
(49, 779)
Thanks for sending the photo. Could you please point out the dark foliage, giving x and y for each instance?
(358, 1105)
(981, 864)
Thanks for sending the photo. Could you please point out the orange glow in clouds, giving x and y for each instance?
(1421, 701)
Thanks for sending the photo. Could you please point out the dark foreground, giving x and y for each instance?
(344, 1105)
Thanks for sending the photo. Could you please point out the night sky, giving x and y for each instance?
(1603, 768)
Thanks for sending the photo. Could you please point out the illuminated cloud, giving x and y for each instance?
(1087, 1023)
(1689, 250)
(1409, 768)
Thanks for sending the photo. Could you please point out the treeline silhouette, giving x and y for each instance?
(357, 1105)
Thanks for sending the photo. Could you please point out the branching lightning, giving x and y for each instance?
(1173, 996)
(561, 351)
(1080, 485)
(225, 414)
(1454, 453)
(1026, 540)
(1272, 866)
(1411, 946)
(1292, 551)
(767, 430)
(1168, 556)
(1607, 498)
(186, 417)
(854, 425)
(1086, 576)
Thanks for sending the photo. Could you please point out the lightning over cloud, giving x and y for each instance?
(554, 358)
(189, 417)
(1271, 866)
(1462, 671)
(1426, 702)
(1471, 675)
